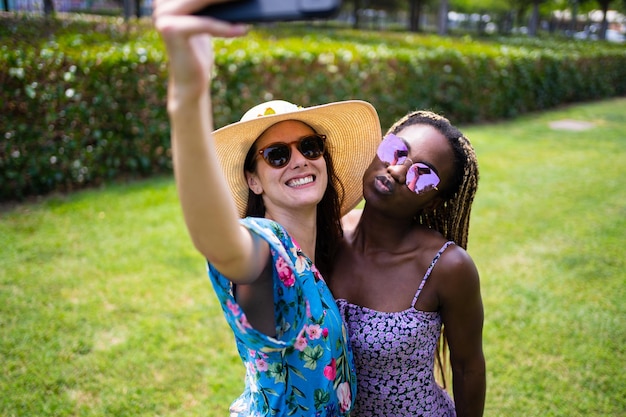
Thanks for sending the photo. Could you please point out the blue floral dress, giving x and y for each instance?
(307, 369)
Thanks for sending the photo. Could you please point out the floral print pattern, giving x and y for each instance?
(307, 368)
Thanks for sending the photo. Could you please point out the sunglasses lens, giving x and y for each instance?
(277, 155)
(392, 150)
(311, 147)
(421, 178)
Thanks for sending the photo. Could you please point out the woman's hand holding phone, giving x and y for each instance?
(252, 11)
(188, 44)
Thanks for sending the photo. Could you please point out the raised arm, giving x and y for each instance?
(208, 207)
(462, 315)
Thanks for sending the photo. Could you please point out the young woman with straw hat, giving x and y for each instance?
(275, 164)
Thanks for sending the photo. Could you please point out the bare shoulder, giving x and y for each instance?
(457, 257)
(457, 272)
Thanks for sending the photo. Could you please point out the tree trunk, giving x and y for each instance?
(442, 26)
(533, 25)
(355, 14)
(129, 5)
(605, 22)
(48, 7)
(415, 13)
(138, 8)
(574, 22)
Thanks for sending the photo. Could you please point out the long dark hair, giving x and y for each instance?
(329, 231)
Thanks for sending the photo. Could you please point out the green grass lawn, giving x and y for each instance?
(105, 308)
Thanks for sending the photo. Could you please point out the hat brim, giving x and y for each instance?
(353, 133)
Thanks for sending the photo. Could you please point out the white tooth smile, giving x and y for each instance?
(297, 182)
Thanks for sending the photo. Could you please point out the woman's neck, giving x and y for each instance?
(301, 226)
(377, 231)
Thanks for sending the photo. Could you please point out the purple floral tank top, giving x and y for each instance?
(394, 356)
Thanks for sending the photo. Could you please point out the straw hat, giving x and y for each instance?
(353, 133)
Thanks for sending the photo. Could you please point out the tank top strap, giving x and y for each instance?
(429, 270)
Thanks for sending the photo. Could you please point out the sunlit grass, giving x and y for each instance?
(547, 234)
(105, 308)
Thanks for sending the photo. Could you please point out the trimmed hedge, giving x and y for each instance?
(81, 104)
(83, 100)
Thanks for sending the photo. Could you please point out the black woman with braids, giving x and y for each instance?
(405, 285)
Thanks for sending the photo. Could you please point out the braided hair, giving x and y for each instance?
(451, 218)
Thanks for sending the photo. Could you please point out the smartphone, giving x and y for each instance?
(252, 11)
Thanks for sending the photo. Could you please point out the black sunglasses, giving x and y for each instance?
(278, 154)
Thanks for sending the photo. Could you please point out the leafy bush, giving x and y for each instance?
(81, 105)
(83, 99)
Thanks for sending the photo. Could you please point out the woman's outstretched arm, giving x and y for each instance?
(207, 204)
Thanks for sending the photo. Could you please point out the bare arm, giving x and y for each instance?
(462, 314)
(208, 207)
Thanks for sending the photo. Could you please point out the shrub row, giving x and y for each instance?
(83, 101)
